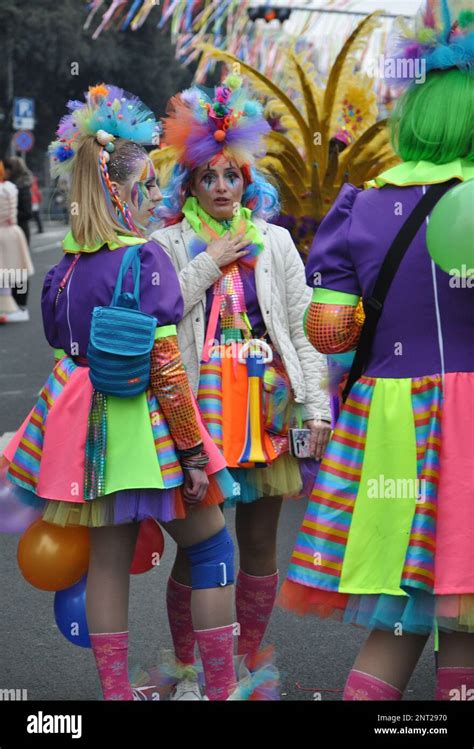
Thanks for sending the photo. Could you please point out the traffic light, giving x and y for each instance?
(269, 13)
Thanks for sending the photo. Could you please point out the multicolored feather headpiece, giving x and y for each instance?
(108, 112)
(442, 38)
(200, 127)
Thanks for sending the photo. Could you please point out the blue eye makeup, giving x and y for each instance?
(230, 177)
(208, 179)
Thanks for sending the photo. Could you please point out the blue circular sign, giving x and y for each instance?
(23, 140)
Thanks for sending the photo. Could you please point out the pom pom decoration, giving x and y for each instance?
(233, 82)
(252, 109)
(466, 18)
(63, 153)
(103, 137)
(108, 112)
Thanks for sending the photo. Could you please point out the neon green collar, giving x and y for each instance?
(70, 244)
(204, 224)
(196, 214)
(423, 173)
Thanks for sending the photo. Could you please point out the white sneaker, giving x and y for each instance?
(186, 691)
(21, 316)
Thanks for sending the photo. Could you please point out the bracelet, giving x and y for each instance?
(190, 451)
(195, 462)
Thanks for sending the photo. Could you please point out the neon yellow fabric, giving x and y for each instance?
(128, 431)
(423, 173)
(328, 296)
(374, 563)
(196, 215)
(163, 331)
(70, 244)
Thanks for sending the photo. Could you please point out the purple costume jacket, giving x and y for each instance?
(92, 284)
(348, 251)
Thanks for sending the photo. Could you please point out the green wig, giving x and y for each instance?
(434, 121)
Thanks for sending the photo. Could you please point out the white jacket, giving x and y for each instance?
(283, 297)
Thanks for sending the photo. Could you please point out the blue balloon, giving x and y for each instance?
(70, 613)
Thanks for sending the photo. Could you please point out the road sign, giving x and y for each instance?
(23, 140)
(23, 113)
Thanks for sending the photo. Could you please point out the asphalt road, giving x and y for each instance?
(314, 657)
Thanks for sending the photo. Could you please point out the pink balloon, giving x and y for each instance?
(15, 516)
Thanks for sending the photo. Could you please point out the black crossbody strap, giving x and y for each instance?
(373, 305)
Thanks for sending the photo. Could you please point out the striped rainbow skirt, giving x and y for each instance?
(388, 536)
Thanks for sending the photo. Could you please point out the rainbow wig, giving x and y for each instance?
(200, 128)
(442, 38)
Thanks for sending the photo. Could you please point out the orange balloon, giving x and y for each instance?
(51, 557)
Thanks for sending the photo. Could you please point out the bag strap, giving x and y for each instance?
(373, 305)
(131, 258)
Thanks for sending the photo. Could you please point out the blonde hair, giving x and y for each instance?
(94, 219)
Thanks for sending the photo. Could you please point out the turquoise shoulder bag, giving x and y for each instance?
(121, 338)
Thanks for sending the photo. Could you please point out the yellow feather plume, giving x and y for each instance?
(305, 160)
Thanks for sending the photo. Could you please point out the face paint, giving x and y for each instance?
(208, 180)
(219, 187)
(139, 189)
(139, 194)
(144, 194)
(231, 179)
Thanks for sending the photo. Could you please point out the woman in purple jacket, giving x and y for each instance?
(108, 462)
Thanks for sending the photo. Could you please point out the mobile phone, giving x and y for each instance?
(299, 442)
